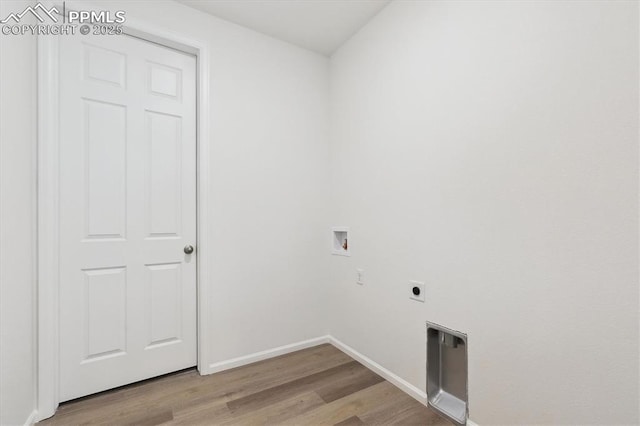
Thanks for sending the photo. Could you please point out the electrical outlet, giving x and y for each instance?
(360, 276)
(416, 291)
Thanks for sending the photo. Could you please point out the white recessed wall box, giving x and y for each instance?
(340, 241)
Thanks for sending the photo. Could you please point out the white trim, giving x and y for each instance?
(47, 183)
(31, 420)
(48, 126)
(399, 382)
(269, 353)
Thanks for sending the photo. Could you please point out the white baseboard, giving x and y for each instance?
(269, 353)
(31, 420)
(399, 382)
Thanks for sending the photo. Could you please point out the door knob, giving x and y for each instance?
(188, 249)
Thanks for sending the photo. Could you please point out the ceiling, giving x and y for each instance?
(318, 25)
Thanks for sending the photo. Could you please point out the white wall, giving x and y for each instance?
(490, 149)
(17, 219)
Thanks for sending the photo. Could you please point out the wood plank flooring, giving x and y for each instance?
(315, 386)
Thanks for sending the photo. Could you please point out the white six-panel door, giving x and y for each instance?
(127, 210)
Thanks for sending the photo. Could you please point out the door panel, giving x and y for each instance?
(105, 137)
(165, 305)
(105, 310)
(127, 209)
(164, 80)
(104, 65)
(164, 176)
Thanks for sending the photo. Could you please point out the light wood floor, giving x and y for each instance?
(316, 386)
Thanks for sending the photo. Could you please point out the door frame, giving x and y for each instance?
(47, 335)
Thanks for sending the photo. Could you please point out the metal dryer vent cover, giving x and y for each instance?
(447, 373)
